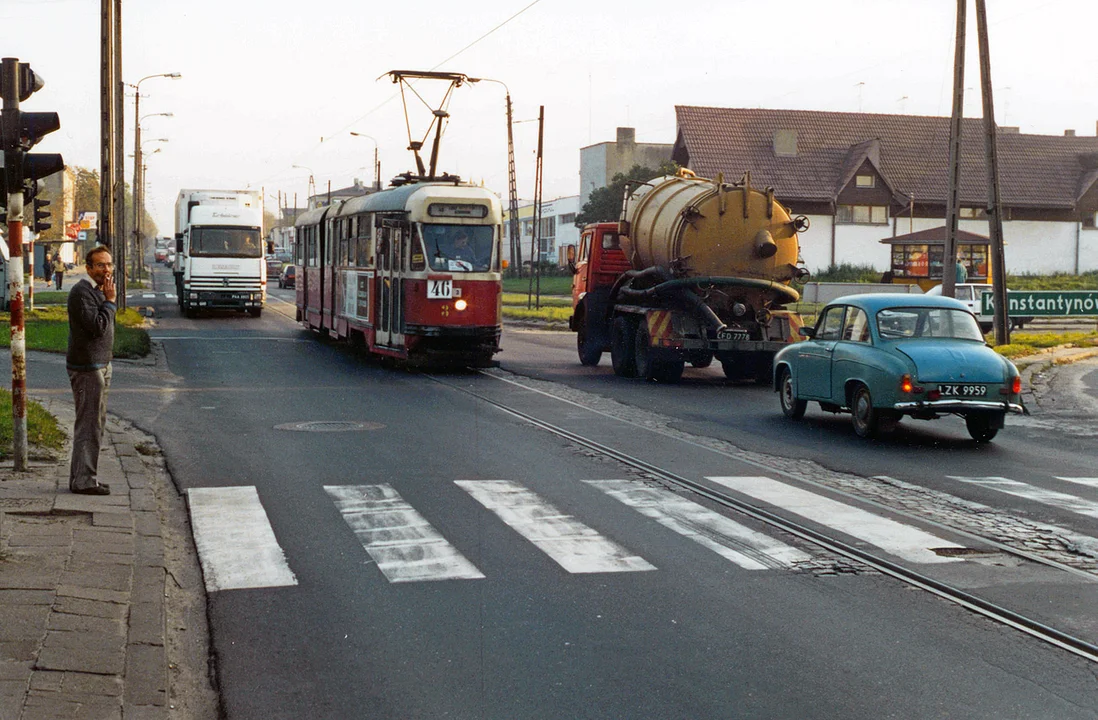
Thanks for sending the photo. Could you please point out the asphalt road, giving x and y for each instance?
(572, 602)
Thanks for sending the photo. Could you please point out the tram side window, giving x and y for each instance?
(383, 249)
(310, 246)
(363, 255)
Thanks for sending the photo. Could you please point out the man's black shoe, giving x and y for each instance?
(93, 490)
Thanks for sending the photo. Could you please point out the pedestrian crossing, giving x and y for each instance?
(238, 547)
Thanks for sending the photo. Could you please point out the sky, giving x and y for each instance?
(271, 89)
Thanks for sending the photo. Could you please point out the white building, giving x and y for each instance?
(557, 230)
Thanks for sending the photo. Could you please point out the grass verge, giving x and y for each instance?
(47, 329)
(42, 427)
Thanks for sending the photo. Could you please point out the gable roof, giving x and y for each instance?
(1039, 171)
(936, 236)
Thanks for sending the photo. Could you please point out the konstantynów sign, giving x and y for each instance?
(1045, 303)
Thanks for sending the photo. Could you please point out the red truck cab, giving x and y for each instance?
(596, 267)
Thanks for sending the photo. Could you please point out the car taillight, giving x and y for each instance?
(1015, 387)
(907, 386)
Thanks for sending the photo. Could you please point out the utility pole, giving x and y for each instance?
(107, 171)
(994, 201)
(119, 160)
(953, 209)
(535, 240)
(512, 192)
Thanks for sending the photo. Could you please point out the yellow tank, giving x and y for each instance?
(698, 228)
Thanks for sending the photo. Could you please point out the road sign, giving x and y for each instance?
(1045, 303)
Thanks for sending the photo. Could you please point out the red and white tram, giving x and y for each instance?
(411, 272)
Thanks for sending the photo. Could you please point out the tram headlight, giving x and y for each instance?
(460, 305)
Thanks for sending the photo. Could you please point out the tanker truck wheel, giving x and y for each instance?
(622, 333)
(589, 353)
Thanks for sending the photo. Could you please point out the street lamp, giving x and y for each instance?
(377, 163)
(312, 184)
(137, 205)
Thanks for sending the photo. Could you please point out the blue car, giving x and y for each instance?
(880, 357)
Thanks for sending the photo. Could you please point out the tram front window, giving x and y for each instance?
(226, 242)
(458, 248)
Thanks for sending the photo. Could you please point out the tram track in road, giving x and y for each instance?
(876, 561)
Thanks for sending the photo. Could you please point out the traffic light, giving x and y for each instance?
(20, 131)
(32, 191)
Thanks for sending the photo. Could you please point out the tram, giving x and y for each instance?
(412, 272)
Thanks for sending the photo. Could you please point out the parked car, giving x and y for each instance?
(286, 279)
(880, 357)
(275, 263)
(970, 294)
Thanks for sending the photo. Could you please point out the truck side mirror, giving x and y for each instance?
(571, 254)
(179, 242)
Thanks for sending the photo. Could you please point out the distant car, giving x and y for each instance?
(882, 356)
(970, 294)
(160, 254)
(286, 279)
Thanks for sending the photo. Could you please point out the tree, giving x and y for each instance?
(604, 203)
(86, 198)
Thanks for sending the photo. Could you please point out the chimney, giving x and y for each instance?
(1069, 133)
(785, 143)
(627, 136)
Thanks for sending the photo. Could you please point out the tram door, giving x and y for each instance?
(392, 240)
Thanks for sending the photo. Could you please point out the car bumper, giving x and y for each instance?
(949, 405)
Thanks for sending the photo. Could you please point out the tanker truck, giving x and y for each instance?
(695, 270)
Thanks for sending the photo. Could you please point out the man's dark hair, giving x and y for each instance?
(88, 259)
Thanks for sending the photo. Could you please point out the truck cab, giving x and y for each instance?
(595, 268)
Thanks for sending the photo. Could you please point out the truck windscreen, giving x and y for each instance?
(213, 241)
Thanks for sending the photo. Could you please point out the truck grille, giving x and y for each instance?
(223, 283)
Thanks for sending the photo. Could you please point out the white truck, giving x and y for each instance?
(219, 261)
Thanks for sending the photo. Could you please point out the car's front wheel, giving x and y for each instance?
(866, 418)
(983, 427)
(792, 407)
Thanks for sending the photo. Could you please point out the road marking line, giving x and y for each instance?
(1088, 481)
(574, 546)
(1053, 498)
(404, 545)
(901, 540)
(745, 547)
(236, 545)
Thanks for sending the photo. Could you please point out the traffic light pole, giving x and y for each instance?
(13, 168)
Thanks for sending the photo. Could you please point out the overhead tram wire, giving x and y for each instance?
(394, 96)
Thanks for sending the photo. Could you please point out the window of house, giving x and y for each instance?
(861, 215)
(1089, 220)
(568, 219)
(865, 181)
(548, 227)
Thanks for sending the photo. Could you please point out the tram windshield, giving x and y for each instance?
(213, 241)
(458, 248)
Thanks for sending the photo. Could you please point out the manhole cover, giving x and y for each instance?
(329, 426)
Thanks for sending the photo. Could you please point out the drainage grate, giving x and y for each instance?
(329, 426)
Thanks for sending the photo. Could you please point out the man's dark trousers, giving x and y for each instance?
(89, 390)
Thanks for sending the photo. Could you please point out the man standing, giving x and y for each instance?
(91, 344)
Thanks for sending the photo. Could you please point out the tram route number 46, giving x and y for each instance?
(440, 289)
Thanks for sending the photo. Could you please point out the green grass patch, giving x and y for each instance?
(47, 330)
(550, 285)
(42, 427)
(520, 300)
(545, 314)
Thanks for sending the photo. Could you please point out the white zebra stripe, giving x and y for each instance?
(1064, 501)
(571, 544)
(404, 545)
(236, 544)
(901, 540)
(743, 546)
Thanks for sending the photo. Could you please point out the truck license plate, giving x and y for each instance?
(729, 334)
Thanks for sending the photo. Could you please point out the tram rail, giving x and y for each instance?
(876, 561)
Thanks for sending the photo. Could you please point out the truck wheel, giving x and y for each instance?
(642, 351)
(701, 360)
(621, 346)
(255, 312)
(589, 352)
(731, 369)
(667, 371)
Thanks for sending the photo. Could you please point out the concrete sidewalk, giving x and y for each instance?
(82, 588)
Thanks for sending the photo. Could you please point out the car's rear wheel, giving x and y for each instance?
(792, 407)
(983, 427)
(865, 416)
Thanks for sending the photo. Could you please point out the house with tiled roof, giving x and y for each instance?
(863, 178)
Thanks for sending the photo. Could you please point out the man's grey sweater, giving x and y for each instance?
(91, 328)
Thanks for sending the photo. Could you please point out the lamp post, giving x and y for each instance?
(377, 163)
(139, 205)
(312, 184)
(121, 261)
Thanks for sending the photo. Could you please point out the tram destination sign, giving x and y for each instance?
(1044, 303)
